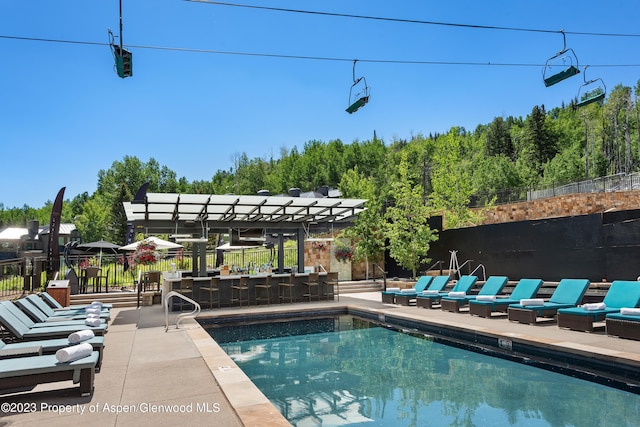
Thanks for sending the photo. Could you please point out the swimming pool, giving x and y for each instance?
(346, 370)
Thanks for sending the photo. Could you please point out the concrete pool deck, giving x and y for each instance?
(153, 377)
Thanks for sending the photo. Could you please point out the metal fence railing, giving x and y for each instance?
(619, 182)
(12, 281)
(20, 275)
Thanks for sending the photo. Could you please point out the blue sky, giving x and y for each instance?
(65, 114)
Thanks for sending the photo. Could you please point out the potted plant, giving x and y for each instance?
(344, 253)
(145, 254)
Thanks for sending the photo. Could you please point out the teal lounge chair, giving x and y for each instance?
(17, 373)
(623, 325)
(51, 315)
(56, 305)
(492, 287)
(525, 289)
(406, 296)
(389, 295)
(24, 333)
(437, 286)
(568, 293)
(42, 320)
(464, 284)
(51, 346)
(23, 316)
(621, 294)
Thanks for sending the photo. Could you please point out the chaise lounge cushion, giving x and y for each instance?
(23, 332)
(568, 293)
(34, 370)
(406, 296)
(464, 284)
(621, 294)
(72, 314)
(491, 287)
(621, 316)
(51, 346)
(526, 288)
(42, 320)
(623, 325)
(17, 312)
(421, 284)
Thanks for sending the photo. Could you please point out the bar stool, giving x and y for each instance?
(185, 287)
(213, 288)
(262, 291)
(152, 280)
(285, 289)
(238, 290)
(330, 286)
(312, 284)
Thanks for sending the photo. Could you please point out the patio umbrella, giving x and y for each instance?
(160, 244)
(100, 246)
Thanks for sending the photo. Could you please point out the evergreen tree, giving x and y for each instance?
(499, 139)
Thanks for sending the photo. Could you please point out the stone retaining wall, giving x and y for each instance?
(561, 206)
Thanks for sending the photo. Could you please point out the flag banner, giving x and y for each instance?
(53, 250)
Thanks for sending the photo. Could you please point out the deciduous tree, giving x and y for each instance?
(407, 229)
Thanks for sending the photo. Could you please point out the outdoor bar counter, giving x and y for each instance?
(227, 281)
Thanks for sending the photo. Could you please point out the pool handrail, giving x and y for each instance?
(180, 316)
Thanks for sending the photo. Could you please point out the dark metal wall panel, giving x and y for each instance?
(620, 216)
(622, 263)
(626, 233)
(551, 249)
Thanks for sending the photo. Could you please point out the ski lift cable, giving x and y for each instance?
(302, 57)
(411, 21)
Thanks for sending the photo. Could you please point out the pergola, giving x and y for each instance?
(194, 216)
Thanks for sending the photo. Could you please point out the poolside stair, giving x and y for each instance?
(350, 287)
(118, 299)
(445, 272)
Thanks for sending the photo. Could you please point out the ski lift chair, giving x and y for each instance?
(361, 96)
(590, 91)
(566, 60)
(360, 99)
(123, 58)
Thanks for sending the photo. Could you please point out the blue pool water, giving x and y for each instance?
(362, 374)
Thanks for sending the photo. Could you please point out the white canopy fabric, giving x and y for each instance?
(160, 244)
(229, 247)
(13, 233)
